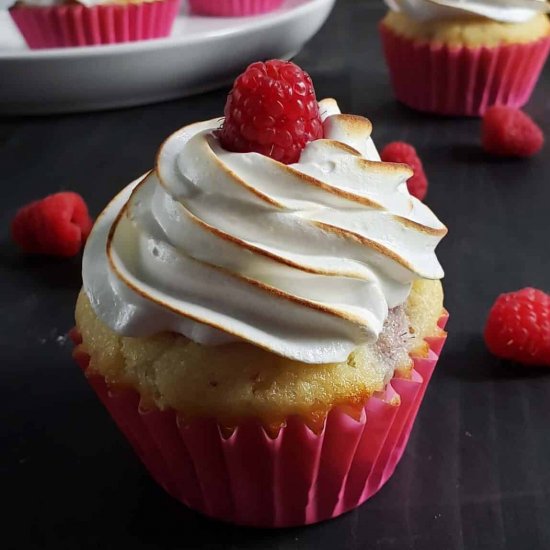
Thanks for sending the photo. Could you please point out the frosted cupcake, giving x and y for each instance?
(69, 23)
(233, 8)
(458, 57)
(264, 332)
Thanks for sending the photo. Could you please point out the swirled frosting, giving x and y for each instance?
(304, 260)
(506, 11)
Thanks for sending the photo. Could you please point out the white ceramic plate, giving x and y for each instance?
(202, 53)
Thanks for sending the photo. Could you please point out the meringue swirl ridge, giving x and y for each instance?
(303, 260)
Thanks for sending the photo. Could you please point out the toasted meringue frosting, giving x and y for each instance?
(302, 260)
(505, 11)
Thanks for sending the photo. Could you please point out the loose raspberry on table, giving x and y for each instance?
(272, 110)
(509, 132)
(57, 225)
(518, 327)
(399, 151)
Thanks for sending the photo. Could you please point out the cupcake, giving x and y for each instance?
(69, 23)
(233, 8)
(459, 57)
(261, 313)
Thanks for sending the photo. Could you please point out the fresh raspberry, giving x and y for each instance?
(271, 110)
(57, 225)
(518, 327)
(509, 132)
(399, 151)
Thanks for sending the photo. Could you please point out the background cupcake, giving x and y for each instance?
(233, 8)
(58, 24)
(262, 312)
(459, 57)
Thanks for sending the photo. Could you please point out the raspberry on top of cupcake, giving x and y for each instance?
(272, 110)
(294, 287)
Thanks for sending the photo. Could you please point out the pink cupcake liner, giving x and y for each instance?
(459, 80)
(76, 25)
(296, 478)
(233, 8)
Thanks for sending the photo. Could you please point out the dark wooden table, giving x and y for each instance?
(475, 474)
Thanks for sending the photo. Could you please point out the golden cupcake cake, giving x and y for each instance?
(261, 313)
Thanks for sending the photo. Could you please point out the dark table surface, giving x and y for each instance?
(475, 474)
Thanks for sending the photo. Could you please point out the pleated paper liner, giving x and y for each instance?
(76, 25)
(297, 477)
(233, 8)
(462, 81)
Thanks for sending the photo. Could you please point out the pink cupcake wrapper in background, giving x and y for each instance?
(76, 25)
(297, 478)
(460, 80)
(233, 8)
